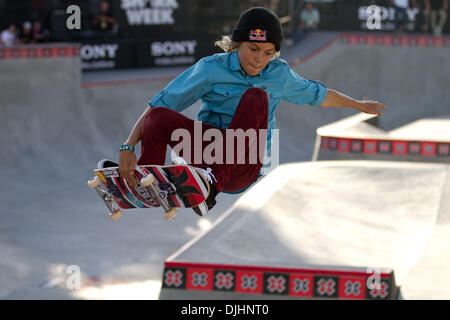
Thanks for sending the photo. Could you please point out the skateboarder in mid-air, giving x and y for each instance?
(239, 89)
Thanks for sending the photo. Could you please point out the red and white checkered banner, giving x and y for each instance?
(389, 40)
(386, 147)
(300, 283)
(38, 52)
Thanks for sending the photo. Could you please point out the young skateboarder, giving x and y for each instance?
(240, 90)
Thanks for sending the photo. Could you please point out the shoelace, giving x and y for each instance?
(208, 175)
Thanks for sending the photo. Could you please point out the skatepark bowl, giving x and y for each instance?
(359, 207)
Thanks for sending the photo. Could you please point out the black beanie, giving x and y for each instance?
(259, 25)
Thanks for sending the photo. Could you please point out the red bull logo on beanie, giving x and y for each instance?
(258, 35)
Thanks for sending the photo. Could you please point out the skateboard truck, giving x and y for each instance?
(114, 213)
(147, 181)
(169, 213)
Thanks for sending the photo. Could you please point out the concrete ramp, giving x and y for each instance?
(431, 268)
(315, 219)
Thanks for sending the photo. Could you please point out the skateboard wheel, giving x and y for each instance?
(148, 180)
(94, 182)
(116, 215)
(172, 213)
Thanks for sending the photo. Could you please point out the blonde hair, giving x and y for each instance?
(228, 45)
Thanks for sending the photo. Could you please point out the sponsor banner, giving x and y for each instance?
(107, 55)
(167, 52)
(141, 13)
(386, 17)
(146, 19)
(386, 147)
(355, 15)
(299, 283)
(171, 51)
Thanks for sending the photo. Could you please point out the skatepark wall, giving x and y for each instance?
(51, 122)
(408, 74)
(43, 117)
(415, 126)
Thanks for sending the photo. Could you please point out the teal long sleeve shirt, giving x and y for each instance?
(219, 82)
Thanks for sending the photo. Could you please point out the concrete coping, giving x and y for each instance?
(365, 126)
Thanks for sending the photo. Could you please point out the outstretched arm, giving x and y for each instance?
(335, 99)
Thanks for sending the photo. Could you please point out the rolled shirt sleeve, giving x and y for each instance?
(303, 91)
(185, 89)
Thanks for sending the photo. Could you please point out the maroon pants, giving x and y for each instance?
(231, 176)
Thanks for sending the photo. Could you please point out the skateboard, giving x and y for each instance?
(169, 187)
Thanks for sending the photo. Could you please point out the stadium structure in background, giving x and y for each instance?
(151, 33)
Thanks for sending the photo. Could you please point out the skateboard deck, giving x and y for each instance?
(172, 186)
